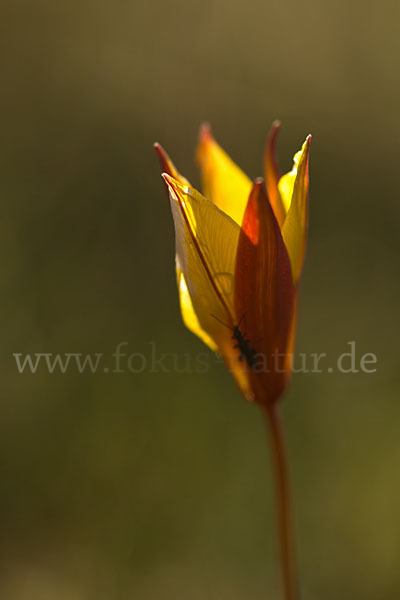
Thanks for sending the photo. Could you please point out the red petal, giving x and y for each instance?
(272, 174)
(264, 293)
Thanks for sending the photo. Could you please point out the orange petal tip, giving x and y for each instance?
(258, 186)
(271, 140)
(167, 165)
(205, 132)
(163, 157)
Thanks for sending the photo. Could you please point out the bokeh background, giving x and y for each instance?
(158, 485)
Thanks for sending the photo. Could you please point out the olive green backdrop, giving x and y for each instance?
(154, 485)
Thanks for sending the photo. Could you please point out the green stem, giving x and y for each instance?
(284, 512)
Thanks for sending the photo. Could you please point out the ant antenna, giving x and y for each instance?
(219, 320)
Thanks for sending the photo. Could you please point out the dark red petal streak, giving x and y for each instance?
(168, 166)
(166, 163)
(272, 175)
(264, 293)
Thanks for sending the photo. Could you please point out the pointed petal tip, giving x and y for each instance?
(159, 149)
(167, 166)
(167, 178)
(172, 182)
(273, 174)
(205, 131)
(205, 137)
(307, 144)
(164, 159)
(205, 143)
(169, 183)
(258, 193)
(273, 134)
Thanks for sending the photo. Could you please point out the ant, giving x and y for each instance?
(246, 351)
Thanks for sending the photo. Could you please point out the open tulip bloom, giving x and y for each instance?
(239, 255)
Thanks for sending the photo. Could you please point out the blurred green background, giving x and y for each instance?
(158, 485)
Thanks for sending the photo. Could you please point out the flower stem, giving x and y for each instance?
(283, 505)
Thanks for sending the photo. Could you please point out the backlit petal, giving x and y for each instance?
(206, 244)
(224, 183)
(264, 294)
(294, 231)
(188, 313)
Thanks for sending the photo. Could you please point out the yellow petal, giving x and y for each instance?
(294, 191)
(188, 314)
(286, 182)
(206, 245)
(223, 182)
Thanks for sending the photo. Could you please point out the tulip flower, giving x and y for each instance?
(239, 255)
